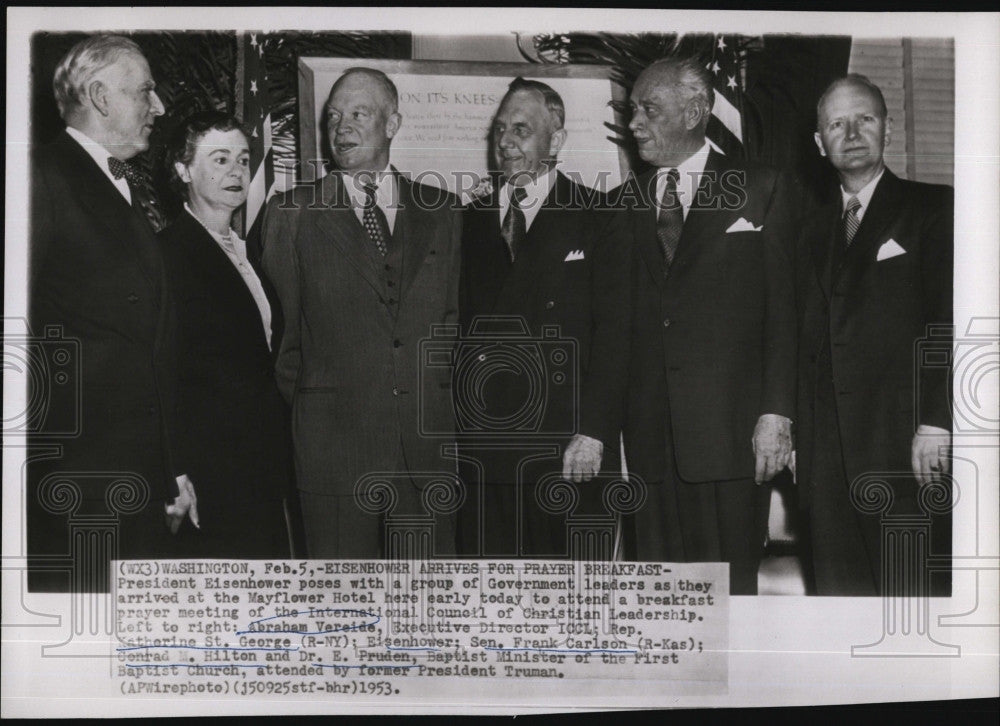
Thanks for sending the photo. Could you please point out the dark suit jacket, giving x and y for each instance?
(232, 436)
(350, 360)
(875, 313)
(96, 275)
(96, 272)
(713, 344)
(570, 275)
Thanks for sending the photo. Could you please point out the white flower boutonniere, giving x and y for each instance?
(482, 189)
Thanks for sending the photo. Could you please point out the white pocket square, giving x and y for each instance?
(742, 225)
(574, 255)
(889, 249)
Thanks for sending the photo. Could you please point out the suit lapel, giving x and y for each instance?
(644, 224)
(529, 263)
(338, 223)
(880, 213)
(110, 209)
(824, 245)
(707, 213)
(228, 286)
(413, 232)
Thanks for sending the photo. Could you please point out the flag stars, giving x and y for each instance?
(253, 40)
(253, 86)
(715, 67)
(731, 83)
(722, 43)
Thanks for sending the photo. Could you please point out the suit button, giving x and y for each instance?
(388, 267)
(390, 283)
(549, 305)
(133, 298)
(397, 343)
(666, 322)
(151, 410)
(391, 301)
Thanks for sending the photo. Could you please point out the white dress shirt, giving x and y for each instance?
(690, 171)
(864, 196)
(386, 196)
(236, 251)
(536, 192)
(100, 155)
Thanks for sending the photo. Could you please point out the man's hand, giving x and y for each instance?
(582, 459)
(772, 446)
(930, 454)
(185, 505)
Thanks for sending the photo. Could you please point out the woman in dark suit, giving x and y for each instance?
(230, 435)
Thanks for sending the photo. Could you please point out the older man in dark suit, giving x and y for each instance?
(548, 256)
(97, 276)
(364, 262)
(712, 375)
(879, 276)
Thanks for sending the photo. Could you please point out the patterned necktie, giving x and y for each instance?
(670, 220)
(515, 227)
(851, 221)
(376, 224)
(137, 188)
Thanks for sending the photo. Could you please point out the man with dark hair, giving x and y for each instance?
(364, 262)
(96, 275)
(711, 388)
(880, 275)
(548, 254)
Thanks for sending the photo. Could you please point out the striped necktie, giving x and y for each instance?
(515, 227)
(851, 221)
(670, 220)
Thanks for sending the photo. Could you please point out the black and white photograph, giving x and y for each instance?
(358, 362)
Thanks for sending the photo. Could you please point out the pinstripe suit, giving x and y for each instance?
(349, 359)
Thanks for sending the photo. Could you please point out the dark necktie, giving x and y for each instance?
(137, 188)
(670, 220)
(851, 221)
(515, 227)
(376, 224)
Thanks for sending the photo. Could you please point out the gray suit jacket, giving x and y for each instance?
(349, 361)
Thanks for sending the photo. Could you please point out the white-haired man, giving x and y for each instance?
(712, 371)
(96, 275)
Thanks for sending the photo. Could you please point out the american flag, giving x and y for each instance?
(257, 121)
(725, 128)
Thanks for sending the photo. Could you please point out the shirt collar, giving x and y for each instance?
(689, 171)
(385, 194)
(97, 152)
(535, 192)
(864, 196)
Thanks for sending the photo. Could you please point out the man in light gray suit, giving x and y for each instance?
(364, 262)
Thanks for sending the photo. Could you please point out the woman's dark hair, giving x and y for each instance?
(186, 138)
